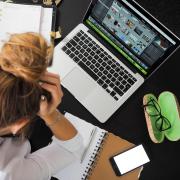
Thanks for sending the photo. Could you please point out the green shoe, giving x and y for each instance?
(170, 109)
(152, 110)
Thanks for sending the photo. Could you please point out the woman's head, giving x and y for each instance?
(23, 60)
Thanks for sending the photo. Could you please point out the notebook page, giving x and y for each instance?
(18, 18)
(46, 21)
(83, 127)
(76, 170)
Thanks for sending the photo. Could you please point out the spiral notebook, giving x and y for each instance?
(95, 165)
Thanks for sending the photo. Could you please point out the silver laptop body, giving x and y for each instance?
(101, 99)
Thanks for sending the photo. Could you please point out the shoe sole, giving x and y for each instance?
(171, 111)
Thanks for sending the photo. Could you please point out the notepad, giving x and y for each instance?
(20, 18)
(96, 165)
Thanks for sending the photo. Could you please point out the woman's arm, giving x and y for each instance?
(65, 147)
(59, 125)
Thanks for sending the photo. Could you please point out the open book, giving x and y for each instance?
(96, 165)
(19, 18)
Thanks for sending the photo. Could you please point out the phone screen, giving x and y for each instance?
(130, 160)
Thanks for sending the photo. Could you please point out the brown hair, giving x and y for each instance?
(23, 59)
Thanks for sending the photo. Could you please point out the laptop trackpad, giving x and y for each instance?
(79, 84)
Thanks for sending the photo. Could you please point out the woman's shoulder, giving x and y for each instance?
(1, 140)
(14, 146)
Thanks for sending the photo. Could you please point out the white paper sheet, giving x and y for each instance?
(46, 21)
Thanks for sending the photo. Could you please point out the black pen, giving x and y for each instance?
(53, 25)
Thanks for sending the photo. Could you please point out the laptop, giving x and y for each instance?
(108, 56)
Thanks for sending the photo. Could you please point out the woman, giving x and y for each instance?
(28, 90)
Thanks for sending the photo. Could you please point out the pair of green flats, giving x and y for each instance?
(162, 116)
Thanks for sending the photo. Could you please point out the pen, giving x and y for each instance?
(54, 17)
(86, 149)
(53, 26)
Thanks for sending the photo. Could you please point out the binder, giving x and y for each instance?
(96, 165)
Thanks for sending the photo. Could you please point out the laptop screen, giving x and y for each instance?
(137, 38)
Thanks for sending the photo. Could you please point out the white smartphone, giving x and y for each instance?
(129, 160)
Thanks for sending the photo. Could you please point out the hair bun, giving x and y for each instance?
(25, 55)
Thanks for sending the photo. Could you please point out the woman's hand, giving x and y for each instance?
(59, 125)
(51, 83)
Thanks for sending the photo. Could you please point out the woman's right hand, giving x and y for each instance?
(59, 125)
(51, 83)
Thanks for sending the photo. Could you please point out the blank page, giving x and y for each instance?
(18, 18)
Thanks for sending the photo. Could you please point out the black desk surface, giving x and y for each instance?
(129, 121)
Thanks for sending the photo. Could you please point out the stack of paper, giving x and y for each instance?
(19, 18)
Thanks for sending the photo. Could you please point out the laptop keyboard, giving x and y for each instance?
(108, 73)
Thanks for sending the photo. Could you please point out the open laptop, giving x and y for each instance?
(110, 54)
